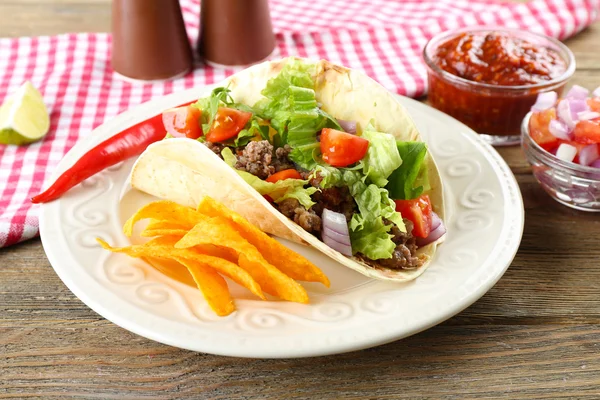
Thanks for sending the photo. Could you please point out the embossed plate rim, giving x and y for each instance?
(316, 343)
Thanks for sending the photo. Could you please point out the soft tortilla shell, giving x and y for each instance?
(184, 170)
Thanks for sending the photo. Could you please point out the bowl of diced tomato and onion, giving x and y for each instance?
(561, 139)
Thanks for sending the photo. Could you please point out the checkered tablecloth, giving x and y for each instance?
(383, 38)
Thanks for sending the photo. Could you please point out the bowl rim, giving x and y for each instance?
(547, 157)
(447, 34)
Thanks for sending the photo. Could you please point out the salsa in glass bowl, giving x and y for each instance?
(488, 78)
(561, 140)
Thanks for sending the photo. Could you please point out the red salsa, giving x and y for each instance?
(501, 59)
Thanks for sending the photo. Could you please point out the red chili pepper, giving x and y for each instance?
(128, 143)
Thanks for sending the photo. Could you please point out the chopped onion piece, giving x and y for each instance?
(563, 111)
(347, 126)
(544, 101)
(435, 220)
(595, 164)
(335, 232)
(578, 105)
(588, 154)
(345, 249)
(434, 235)
(596, 92)
(566, 152)
(568, 109)
(338, 237)
(559, 129)
(334, 221)
(585, 115)
(577, 92)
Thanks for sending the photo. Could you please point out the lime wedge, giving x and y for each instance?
(23, 116)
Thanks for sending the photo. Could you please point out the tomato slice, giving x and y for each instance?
(341, 149)
(538, 129)
(227, 123)
(587, 132)
(284, 174)
(183, 122)
(418, 211)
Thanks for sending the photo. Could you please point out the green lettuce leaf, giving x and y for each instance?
(254, 131)
(373, 240)
(306, 156)
(368, 233)
(410, 180)
(382, 157)
(278, 191)
(291, 106)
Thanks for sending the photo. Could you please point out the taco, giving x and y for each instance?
(311, 152)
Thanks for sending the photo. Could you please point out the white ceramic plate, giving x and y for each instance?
(484, 216)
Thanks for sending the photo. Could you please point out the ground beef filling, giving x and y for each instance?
(403, 256)
(216, 148)
(334, 199)
(262, 160)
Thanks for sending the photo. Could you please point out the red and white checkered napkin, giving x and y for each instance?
(383, 38)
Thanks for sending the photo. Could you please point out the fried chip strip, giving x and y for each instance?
(165, 210)
(270, 279)
(285, 259)
(213, 287)
(172, 269)
(163, 228)
(162, 248)
(163, 232)
(164, 224)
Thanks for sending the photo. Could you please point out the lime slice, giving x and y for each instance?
(23, 116)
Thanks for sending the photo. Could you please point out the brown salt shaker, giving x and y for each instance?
(235, 32)
(149, 41)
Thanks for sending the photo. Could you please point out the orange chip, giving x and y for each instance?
(163, 232)
(165, 224)
(288, 261)
(271, 280)
(172, 269)
(213, 287)
(164, 210)
(210, 256)
(229, 269)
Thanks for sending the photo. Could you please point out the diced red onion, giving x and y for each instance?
(568, 109)
(596, 92)
(588, 154)
(566, 152)
(559, 129)
(338, 237)
(544, 101)
(595, 164)
(435, 220)
(335, 232)
(586, 115)
(348, 126)
(577, 92)
(434, 235)
(345, 249)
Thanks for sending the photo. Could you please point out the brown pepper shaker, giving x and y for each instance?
(149, 40)
(235, 32)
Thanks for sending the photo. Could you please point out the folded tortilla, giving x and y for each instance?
(185, 170)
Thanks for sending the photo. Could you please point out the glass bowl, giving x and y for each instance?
(571, 184)
(494, 111)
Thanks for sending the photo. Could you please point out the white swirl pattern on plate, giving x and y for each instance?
(483, 198)
(124, 272)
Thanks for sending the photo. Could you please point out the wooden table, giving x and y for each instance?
(536, 334)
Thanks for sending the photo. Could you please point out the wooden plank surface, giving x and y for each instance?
(535, 335)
